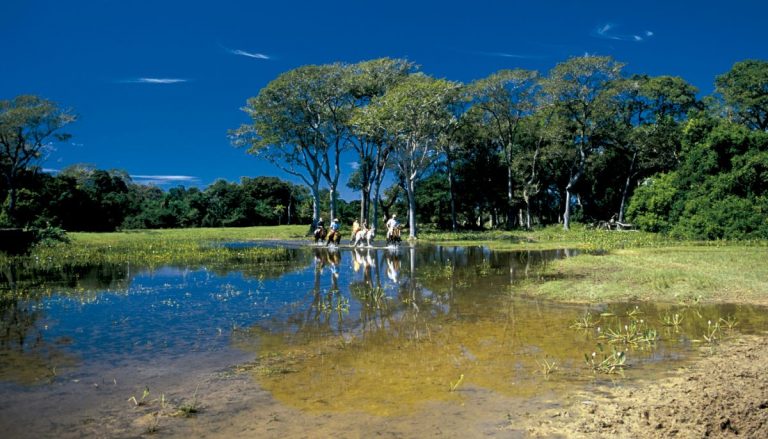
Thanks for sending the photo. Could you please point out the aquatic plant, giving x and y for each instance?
(547, 368)
(143, 400)
(712, 333)
(671, 319)
(730, 322)
(608, 364)
(190, 408)
(456, 385)
(634, 334)
(585, 321)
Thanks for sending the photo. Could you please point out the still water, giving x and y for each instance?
(335, 343)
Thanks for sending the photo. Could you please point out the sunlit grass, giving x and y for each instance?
(679, 274)
(152, 248)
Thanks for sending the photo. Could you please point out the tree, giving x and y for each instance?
(503, 100)
(412, 115)
(300, 124)
(370, 79)
(28, 124)
(647, 134)
(745, 90)
(577, 89)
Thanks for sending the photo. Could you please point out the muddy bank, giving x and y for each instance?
(724, 394)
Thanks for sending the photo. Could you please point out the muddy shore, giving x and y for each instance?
(724, 394)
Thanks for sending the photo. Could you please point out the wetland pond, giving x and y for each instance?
(413, 342)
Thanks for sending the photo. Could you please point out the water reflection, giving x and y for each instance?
(379, 330)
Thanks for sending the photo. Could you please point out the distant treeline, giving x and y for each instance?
(585, 142)
(86, 199)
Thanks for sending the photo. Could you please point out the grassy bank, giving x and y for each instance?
(158, 247)
(635, 266)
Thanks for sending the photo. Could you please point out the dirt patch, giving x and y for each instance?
(725, 394)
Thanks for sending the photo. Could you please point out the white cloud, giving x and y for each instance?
(159, 80)
(509, 55)
(160, 180)
(607, 31)
(248, 54)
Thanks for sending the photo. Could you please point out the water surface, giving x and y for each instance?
(341, 340)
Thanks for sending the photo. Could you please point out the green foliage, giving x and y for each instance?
(744, 90)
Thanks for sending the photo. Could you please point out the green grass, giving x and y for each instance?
(687, 274)
(552, 237)
(159, 247)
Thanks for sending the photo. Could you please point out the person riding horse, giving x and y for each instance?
(335, 235)
(393, 230)
(320, 231)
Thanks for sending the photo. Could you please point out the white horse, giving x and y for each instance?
(364, 236)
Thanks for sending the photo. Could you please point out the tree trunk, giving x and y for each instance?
(451, 193)
(411, 209)
(510, 213)
(626, 187)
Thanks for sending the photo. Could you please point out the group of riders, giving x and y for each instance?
(361, 233)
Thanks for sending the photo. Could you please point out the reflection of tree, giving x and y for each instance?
(25, 356)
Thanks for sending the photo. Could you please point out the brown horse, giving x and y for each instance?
(320, 233)
(334, 237)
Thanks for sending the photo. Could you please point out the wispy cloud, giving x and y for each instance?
(509, 55)
(155, 81)
(608, 31)
(160, 180)
(248, 54)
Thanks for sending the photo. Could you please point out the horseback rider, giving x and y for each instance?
(334, 234)
(392, 224)
(355, 229)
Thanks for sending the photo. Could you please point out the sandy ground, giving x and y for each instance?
(724, 394)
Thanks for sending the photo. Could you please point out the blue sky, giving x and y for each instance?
(157, 84)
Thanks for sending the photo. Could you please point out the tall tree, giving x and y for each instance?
(504, 99)
(28, 124)
(578, 89)
(745, 90)
(300, 124)
(412, 115)
(370, 79)
(649, 110)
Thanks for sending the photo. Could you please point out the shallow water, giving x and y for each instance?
(398, 342)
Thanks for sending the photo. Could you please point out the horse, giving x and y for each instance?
(364, 235)
(319, 234)
(393, 236)
(334, 237)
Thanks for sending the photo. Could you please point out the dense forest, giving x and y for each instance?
(585, 142)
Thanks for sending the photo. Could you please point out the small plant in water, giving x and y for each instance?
(608, 364)
(635, 334)
(713, 332)
(190, 408)
(729, 322)
(456, 385)
(671, 320)
(585, 321)
(143, 400)
(547, 368)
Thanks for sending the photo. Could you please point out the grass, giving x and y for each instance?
(731, 273)
(159, 247)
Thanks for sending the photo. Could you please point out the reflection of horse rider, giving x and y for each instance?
(393, 267)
